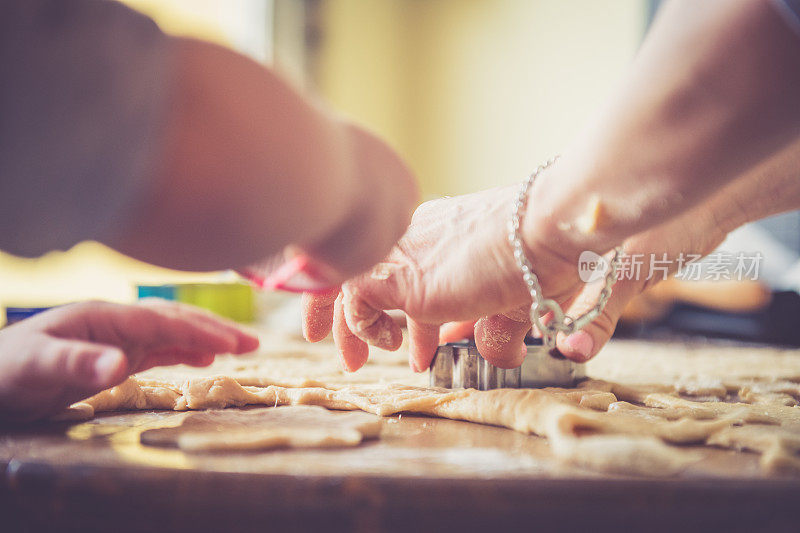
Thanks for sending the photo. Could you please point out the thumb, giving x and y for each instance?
(83, 365)
(501, 338)
(587, 342)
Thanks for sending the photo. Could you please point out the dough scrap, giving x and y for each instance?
(623, 454)
(302, 426)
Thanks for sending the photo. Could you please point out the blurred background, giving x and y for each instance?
(473, 93)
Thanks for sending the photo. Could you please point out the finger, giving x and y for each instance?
(246, 341)
(500, 338)
(586, 343)
(161, 325)
(352, 350)
(423, 339)
(565, 303)
(170, 359)
(202, 360)
(383, 287)
(179, 331)
(318, 314)
(137, 329)
(456, 331)
(83, 365)
(546, 319)
(371, 325)
(175, 356)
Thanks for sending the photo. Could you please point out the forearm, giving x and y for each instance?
(248, 166)
(768, 189)
(712, 93)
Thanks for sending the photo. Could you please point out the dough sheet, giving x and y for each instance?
(638, 414)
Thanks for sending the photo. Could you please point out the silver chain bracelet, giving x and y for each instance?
(541, 306)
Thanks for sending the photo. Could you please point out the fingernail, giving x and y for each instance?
(348, 368)
(106, 366)
(580, 344)
(414, 367)
(299, 274)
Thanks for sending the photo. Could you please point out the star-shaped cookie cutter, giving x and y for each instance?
(459, 365)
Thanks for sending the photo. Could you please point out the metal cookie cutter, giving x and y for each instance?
(460, 365)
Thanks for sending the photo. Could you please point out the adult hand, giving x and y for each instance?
(453, 263)
(662, 167)
(66, 354)
(456, 264)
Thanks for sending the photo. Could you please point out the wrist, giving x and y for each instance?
(557, 222)
(548, 241)
(542, 304)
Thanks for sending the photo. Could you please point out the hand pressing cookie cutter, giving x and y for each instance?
(459, 365)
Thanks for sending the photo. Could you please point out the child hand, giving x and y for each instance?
(69, 353)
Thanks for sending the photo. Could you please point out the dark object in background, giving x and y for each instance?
(15, 314)
(778, 323)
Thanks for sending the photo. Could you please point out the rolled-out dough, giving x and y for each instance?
(620, 426)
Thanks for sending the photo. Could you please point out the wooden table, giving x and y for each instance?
(424, 474)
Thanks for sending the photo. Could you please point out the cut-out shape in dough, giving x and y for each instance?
(298, 426)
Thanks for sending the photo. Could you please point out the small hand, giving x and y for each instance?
(69, 353)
